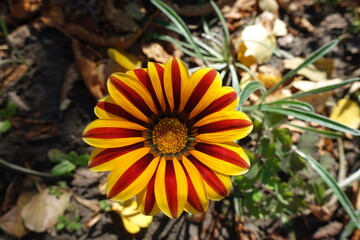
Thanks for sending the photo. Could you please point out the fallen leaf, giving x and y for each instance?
(88, 71)
(33, 129)
(346, 112)
(322, 213)
(156, 51)
(106, 67)
(24, 9)
(255, 37)
(328, 231)
(311, 72)
(268, 76)
(11, 223)
(118, 18)
(17, 73)
(124, 59)
(90, 204)
(42, 211)
(269, 5)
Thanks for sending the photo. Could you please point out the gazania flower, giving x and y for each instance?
(168, 138)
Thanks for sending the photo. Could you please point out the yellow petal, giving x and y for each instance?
(124, 59)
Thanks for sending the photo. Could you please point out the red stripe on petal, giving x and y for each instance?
(130, 175)
(224, 125)
(200, 90)
(209, 177)
(217, 105)
(131, 95)
(176, 82)
(150, 200)
(193, 198)
(118, 111)
(111, 132)
(142, 75)
(171, 188)
(111, 153)
(222, 153)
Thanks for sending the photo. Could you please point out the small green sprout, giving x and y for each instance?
(66, 163)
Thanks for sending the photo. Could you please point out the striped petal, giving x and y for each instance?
(217, 185)
(223, 127)
(143, 77)
(197, 201)
(176, 77)
(106, 159)
(130, 177)
(226, 158)
(108, 108)
(226, 100)
(129, 93)
(156, 74)
(204, 86)
(146, 199)
(106, 133)
(171, 190)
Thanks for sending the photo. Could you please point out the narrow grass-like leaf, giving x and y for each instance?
(349, 228)
(245, 68)
(168, 25)
(225, 29)
(179, 23)
(274, 51)
(312, 58)
(296, 104)
(331, 182)
(249, 89)
(209, 49)
(217, 66)
(325, 133)
(323, 89)
(311, 117)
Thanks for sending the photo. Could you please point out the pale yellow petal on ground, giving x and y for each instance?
(346, 112)
(130, 226)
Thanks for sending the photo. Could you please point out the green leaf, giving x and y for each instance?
(330, 181)
(311, 117)
(56, 155)
(225, 30)
(249, 89)
(349, 229)
(323, 89)
(179, 23)
(63, 168)
(312, 58)
(248, 70)
(5, 126)
(10, 110)
(296, 104)
(325, 133)
(82, 160)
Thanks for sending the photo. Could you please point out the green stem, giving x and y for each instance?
(25, 170)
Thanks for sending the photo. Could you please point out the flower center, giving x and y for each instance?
(170, 135)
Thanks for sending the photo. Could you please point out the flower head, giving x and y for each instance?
(168, 138)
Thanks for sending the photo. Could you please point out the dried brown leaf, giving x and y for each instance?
(327, 231)
(11, 223)
(119, 19)
(23, 9)
(155, 51)
(88, 71)
(42, 211)
(17, 73)
(35, 129)
(323, 213)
